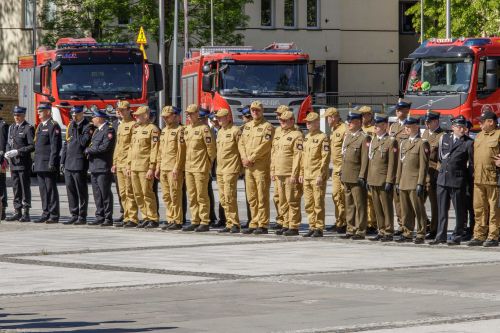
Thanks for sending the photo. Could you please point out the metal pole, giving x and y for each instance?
(161, 56)
(212, 21)
(174, 56)
(186, 32)
(34, 26)
(448, 18)
(422, 35)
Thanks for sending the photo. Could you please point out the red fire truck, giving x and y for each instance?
(232, 77)
(84, 72)
(453, 76)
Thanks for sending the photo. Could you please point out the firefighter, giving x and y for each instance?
(246, 117)
(255, 151)
(46, 163)
(200, 154)
(338, 130)
(215, 126)
(286, 156)
(369, 128)
(100, 155)
(432, 134)
(75, 165)
(382, 155)
(486, 211)
(118, 222)
(410, 181)
(228, 169)
(315, 169)
(170, 166)
(142, 159)
(124, 131)
(20, 145)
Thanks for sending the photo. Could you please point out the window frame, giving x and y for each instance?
(402, 15)
(318, 16)
(272, 15)
(295, 15)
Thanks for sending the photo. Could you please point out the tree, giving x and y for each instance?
(469, 18)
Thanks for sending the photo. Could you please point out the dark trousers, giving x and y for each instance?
(47, 183)
(457, 196)
(103, 197)
(21, 186)
(3, 189)
(78, 193)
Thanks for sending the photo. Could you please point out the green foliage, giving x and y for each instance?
(469, 18)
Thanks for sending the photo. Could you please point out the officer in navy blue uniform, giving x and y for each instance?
(100, 155)
(75, 165)
(4, 128)
(456, 153)
(20, 145)
(48, 144)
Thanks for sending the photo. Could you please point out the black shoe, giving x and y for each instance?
(430, 235)
(165, 226)
(309, 233)
(96, 222)
(291, 232)
(119, 224)
(130, 224)
(175, 226)
(371, 231)
(202, 228)
(42, 219)
(475, 242)
(346, 236)
(248, 231)
(452, 242)
(419, 240)
(341, 230)
(358, 237)
(281, 231)
(120, 219)
(191, 227)
(398, 232)
(377, 238)
(276, 226)
(14, 217)
(437, 242)
(218, 224)
(152, 225)
(142, 224)
(71, 220)
(235, 229)
(260, 231)
(107, 224)
(318, 233)
(490, 243)
(403, 239)
(222, 231)
(387, 239)
(25, 218)
(80, 222)
(51, 221)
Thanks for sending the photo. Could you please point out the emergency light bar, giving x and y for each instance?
(96, 45)
(205, 50)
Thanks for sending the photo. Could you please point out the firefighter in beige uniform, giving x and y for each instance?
(369, 128)
(338, 130)
(255, 151)
(142, 157)
(120, 164)
(286, 157)
(353, 176)
(228, 169)
(170, 166)
(382, 167)
(315, 168)
(200, 154)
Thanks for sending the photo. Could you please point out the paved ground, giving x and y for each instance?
(56, 278)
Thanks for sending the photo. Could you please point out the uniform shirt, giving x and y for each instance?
(286, 153)
(143, 151)
(124, 132)
(172, 150)
(228, 156)
(485, 148)
(413, 163)
(256, 142)
(354, 156)
(48, 144)
(78, 136)
(100, 150)
(397, 130)
(382, 156)
(433, 139)
(200, 148)
(21, 138)
(316, 156)
(336, 140)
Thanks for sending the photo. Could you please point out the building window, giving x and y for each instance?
(28, 13)
(312, 13)
(405, 21)
(123, 19)
(266, 13)
(290, 13)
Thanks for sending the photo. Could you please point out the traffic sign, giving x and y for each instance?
(141, 38)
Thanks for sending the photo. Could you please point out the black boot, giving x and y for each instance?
(26, 216)
(15, 217)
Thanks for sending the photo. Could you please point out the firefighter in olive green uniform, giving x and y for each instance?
(353, 176)
(142, 158)
(486, 211)
(338, 130)
(286, 157)
(315, 169)
(170, 166)
(200, 154)
(228, 169)
(382, 167)
(432, 134)
(120, 164)
(255, 151)
(369, 128)
(410, 181)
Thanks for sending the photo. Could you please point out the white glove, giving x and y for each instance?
(11, 153)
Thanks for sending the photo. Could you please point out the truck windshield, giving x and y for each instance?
(445, 76)
(275, 79)
(107, 81)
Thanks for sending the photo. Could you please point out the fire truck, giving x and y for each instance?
(453, 76)
(84, 72)
(232, 77)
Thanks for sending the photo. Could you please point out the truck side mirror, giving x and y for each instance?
(206, 69)
(402, 83)
(206, 83)
(38, 79)
(491, 74)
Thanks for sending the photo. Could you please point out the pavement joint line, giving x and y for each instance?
(430, 321)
